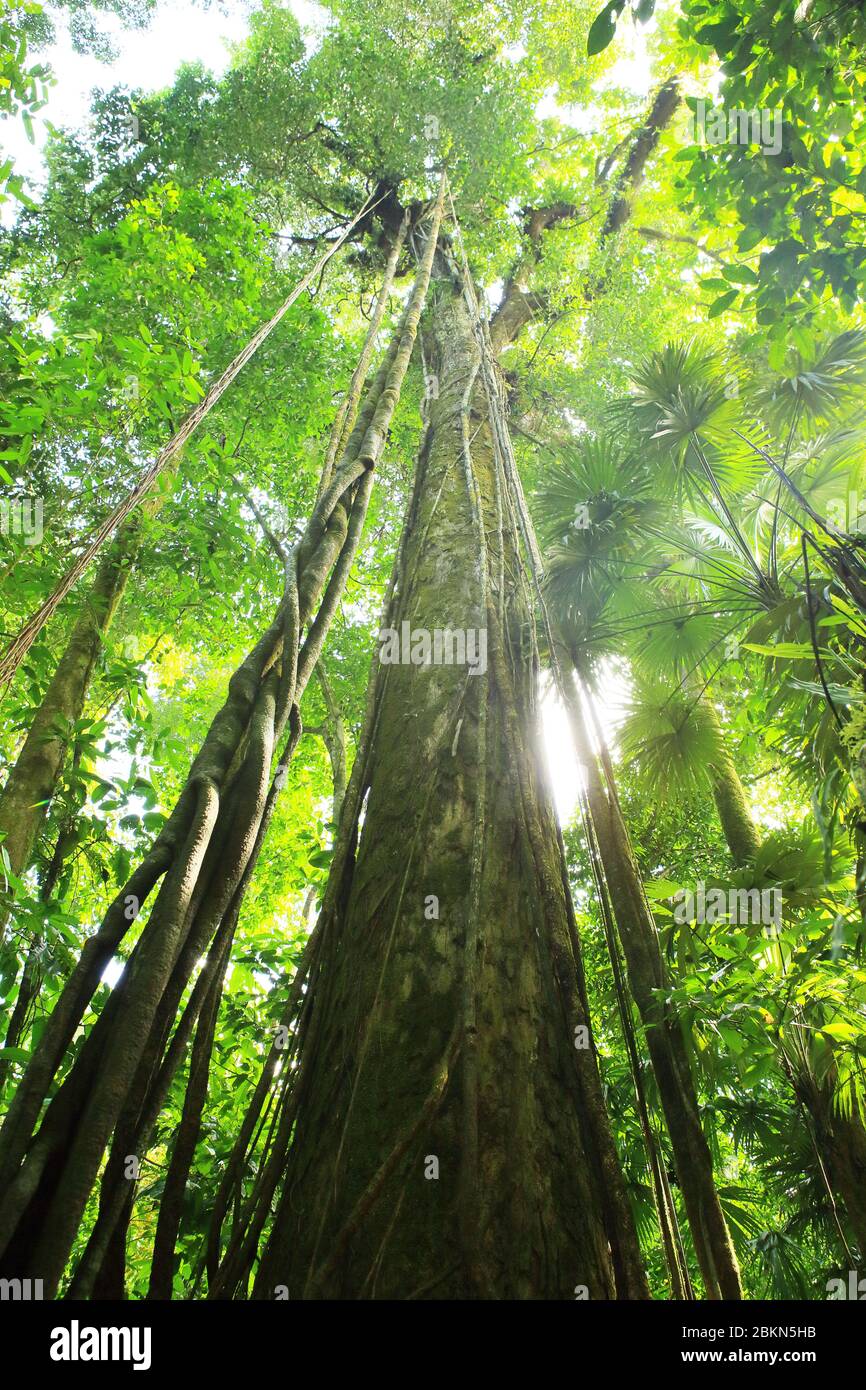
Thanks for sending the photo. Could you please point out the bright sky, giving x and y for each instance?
(561, 760)
(180, 32)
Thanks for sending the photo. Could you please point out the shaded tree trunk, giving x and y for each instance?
(450, 1134)
(649, 982)
(334, 735)
(840, 1141)
(186, 1138)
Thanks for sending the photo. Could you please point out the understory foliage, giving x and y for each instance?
(658, 428)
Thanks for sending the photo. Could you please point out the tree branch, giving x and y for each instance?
(273, 540)
(519, 304)
(654, 234)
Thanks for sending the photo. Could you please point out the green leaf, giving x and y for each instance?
(723, 302)
(740, 275)
(603, 27)
(795, 651)
(660, 888)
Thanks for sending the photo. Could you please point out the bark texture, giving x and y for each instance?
(735, 818)
(32, 781)
(649, 982)
(450, 1137)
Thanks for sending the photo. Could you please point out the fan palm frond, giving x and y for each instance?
(819, 386)
(676, 393)
(783, 1265)
(671, 738)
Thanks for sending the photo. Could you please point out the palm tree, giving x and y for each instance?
(593, 501)
(732, 566)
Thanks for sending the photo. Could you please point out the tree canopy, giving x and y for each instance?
(282, 922)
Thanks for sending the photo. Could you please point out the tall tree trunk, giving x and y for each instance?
(203, 855)
(186, 1138)
(450, 1135)
(649, 982)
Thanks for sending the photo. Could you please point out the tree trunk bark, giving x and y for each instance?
(33, 780)
(735, 818)
(450, 1138)
(649, 981)
(334, 735)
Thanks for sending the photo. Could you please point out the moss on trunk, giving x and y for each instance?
(450, 1137)
(735, 818)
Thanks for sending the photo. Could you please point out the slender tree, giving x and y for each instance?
(166, 458)
(203, 857)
